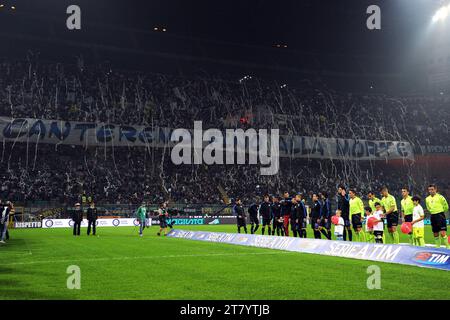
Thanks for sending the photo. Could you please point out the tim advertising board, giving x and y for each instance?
(399, 254)
(68, 223)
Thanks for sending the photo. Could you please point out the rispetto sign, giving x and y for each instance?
(399, 254)
(28, 225)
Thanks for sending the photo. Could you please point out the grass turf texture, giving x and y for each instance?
(120, 265)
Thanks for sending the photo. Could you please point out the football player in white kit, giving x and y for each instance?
(378, 226)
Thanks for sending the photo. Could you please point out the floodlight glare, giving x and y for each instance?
(442, 14)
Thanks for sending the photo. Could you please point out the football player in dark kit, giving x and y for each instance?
(254, 221)
(325, 221)
(277, 217)
(343, 204)
(302, 215)
(163, 214)
(286, 204)
(238, 211)
(77, 217)
(92, 217)
(316, 214)
(294, 218)
(265, 210)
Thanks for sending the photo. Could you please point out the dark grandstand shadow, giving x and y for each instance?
(13, 244)
(5, 283)
(15, 289)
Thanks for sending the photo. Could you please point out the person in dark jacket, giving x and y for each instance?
(77, 217)
(163, 216)
(277, 217)
(254, 219)
(92, 217)
(302, 216)
(316, 213)
(294, 218)
(238, 211)
(343, 204)
(325, 221)
(286, 205)
(265, 210)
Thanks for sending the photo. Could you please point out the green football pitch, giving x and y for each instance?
(120, 265)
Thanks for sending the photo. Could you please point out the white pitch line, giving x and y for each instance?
(146, 257)
(24, 253)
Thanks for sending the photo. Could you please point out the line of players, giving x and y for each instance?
(278, 214)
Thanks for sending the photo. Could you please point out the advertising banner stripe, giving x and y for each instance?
(30, 130)
(68, 223)
(389, 253)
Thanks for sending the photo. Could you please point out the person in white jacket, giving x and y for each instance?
(4, 219)
(378, 225)
(339, 227)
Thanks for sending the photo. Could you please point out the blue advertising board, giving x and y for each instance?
(399, 254)
(198, 220)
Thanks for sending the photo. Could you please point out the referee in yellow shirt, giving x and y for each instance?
(390, 208)
(356, 214)
(437, 206)
(407, 210)
(372, 200)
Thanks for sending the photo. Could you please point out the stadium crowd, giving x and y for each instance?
(45, 90)
(101, 94)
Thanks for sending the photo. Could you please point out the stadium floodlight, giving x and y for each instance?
(442, 13)
(161, 29)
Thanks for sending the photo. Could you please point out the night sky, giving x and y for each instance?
(309, 25)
